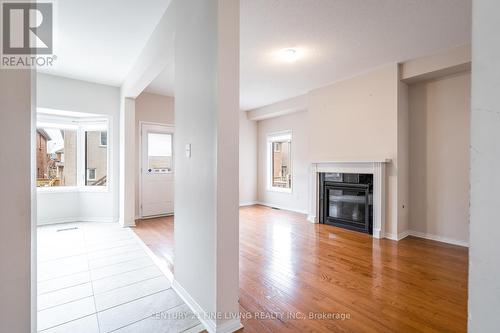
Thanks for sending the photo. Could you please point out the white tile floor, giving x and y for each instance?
(97, 277)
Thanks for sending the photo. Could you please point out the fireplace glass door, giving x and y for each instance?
(347, 204)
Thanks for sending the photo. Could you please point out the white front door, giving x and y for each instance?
(157, 170)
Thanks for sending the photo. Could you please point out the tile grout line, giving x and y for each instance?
(65, 303)
(84, 253)
(66, 322)
(199, 323)
(55, 290)
(90, 270)
(81, 254)
(133, 300)
(100, 293)
(135, 322)
(113, 275)
(91, 283)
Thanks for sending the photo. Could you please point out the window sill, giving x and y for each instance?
(73, 189)
(279, 190)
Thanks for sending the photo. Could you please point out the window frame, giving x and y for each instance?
(81, 125)
(272, 138)
(172, 151)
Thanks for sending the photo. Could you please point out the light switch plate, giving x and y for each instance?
(188, 150)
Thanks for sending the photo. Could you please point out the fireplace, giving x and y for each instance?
(346, 200)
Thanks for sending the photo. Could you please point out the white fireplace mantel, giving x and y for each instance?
(369, 166)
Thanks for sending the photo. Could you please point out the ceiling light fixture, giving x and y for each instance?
(289, 55)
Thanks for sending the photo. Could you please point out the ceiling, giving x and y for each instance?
(99, 41)
(340, 38)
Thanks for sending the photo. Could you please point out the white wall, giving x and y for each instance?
(17, 179)
(298, 199)
(484, 252)
(439, 157)
(152, 108)
(358, 119)
(248, 160)
(73, 95)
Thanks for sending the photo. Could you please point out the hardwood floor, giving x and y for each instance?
(291, 269)
(158, 235)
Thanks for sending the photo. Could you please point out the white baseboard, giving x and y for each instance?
(162, 265)
(397, 237)
(438, 238)
(41, 222)
(209, 323)
(312, 218)
(419, 234)
(267, 204)
(248, 203)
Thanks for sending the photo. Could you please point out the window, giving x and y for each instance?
(91, 174)
(160, 152)
(280, 162)
(104, 139)
(72, 151)
(56, 156)
(96, 158)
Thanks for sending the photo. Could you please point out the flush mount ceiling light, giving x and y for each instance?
(289, 55)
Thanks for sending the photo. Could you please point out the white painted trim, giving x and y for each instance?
(83, 125)
(141, 160)
(270, 138)
(194, 306)
(437, 238)
(271, 205)
(230, 326)
(289, 106)
(312, 218)
(248, 203)
(424, 235)
(76, 219)
(397, 237)
(160, 263)
(376, 167)
(210, 325)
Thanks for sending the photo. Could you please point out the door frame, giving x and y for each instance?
(139, 171)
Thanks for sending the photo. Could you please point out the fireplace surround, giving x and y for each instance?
(375, 167)
(346, 200)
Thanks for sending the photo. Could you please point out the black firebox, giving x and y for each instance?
(346, 200)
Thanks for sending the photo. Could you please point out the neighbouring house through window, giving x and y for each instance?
(91, 174)
(104, 138)
(96, 158)
(280, 161)
(72, 151)
(56, 156)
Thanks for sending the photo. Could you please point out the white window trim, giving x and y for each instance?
(273, 137)
(81, 125)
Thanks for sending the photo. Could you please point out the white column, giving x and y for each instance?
(313, 197)
(484, 251)
(127, 162)
(379, 200)
(206, 181)
(17, 199)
